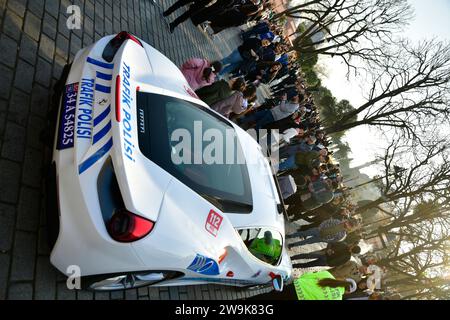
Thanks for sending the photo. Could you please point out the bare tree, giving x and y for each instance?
(412, 172)
(418, 260)
(348, 28)
(408, 90)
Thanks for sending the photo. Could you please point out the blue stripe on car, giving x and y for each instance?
(104, 76)
(99, 135)
(104, 89)
(100, 64)
(102, 116)
(95, 157)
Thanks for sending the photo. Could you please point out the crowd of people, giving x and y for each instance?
(310, 180)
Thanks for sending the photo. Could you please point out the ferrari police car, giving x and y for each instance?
(129, 214)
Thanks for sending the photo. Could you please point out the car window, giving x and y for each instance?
(264, 243)
(177, 137)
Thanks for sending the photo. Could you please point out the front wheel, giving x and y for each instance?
(134, 280)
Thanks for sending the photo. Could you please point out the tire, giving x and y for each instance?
(51, 206)
(89, 282)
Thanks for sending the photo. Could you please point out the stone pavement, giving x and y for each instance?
(35, 44)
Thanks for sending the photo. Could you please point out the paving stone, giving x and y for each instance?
(89, 27)
(7, 220)
(18, 6)
(198, 292)
(19, 108)
(20, 291)
(99, 24)
(143, 291)
(47, 48)
(9, 181)
(117, 295)
(37, 7)
(24, 76)
(28, 49)
(153, 293)
(62, 45)
(12, 25)
(58, 66)
(32, 167)
(32, 26)
(108, 27)
(173, 293)
(85, 295)
(45, 283)
(190, 292)
(13, 147)
(131, 294)
(205, 295)
(218, 292)
(101, 295)
(212, 292)
(52, 7)
(43, 73)
(34, 130)
(43, 248)
(4, 270)
(62, 25)
(75, 44)
(108, 12)
(6, 78)
(116, 25)
(164, 295)
(3, 113)
(8, 51)
(29, 209)
(63, 293)
(49, 26)
(39, 101)
(89, 9)
(87, 41)
(23, 259)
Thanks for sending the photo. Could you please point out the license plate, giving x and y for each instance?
(66, 133)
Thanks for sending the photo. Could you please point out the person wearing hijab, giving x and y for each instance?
(200, 72)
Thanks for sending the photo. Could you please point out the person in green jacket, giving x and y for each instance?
(266, 249)
(320, 285)
(220, 90)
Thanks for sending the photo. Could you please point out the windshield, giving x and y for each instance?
(264, 243)
(197, 147)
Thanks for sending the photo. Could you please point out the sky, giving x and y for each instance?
(431, 20)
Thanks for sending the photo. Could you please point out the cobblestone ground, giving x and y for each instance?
(35, 44)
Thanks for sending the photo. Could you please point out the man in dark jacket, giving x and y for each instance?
(334, 255)
(196, 6)
(246, 52)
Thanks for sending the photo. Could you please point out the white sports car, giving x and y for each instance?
(130, 213)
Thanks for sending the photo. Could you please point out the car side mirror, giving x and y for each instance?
(278, 283)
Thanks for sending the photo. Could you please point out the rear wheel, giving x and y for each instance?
(126, 281)
(51, 206)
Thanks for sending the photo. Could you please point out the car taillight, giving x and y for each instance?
(118, 117)
(114, 45)
(125, 226)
